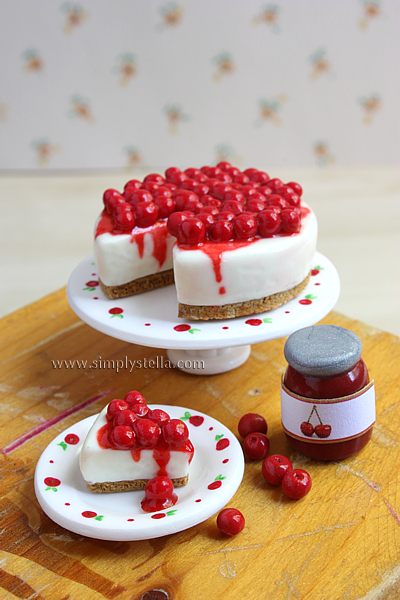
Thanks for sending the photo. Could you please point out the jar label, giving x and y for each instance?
(328, 420)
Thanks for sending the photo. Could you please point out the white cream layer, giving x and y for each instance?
(99, 465)
(265, 267)
(118, 257)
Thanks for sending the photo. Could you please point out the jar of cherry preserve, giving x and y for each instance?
(327, 399)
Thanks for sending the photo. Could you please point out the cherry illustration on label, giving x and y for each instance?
(322, 430)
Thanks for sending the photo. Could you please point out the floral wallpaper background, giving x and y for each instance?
(95, 84)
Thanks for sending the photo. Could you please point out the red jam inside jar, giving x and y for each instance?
(325, 365)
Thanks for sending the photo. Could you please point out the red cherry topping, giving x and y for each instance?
(123, 217)
(241, 178)
(208, 200)
(250, 423)
(174, 220)
(230, 521)
(175, 175)
(296, 484)
(275, 200)
(207, 218)
(159, 487)
(223, 176)
(224, 165)
(140, 410)
(256, 445)
(195, 174)
(274, 183)
(133, 183)
(250, 172)
(146, 214)
(111, 199)
(147, 432)
(175, 433)
(122, 437)
(158, 415)
(165, 205)
(192, 232)
(156, 177)
(269, 222)
(233, 206)
(245, 226)
(163, 190)
(260, 177)
(150, 186)
(138, 196)
(116, 406)
(274, 467)
(210, 171)
(221, 231)
(233, 195)
(126, 417)
(134, 397)
(291, 220)
(219, 188)
(181, 197)
(225, 215)
(194, 206)
(255, 205)
(296, 187)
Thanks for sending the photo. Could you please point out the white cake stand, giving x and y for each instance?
(198, 347)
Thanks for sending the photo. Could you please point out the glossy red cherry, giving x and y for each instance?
(296, 187)
(260, 177)
(126, 417)
(256, 445)
(133, 183)
(154, 177)
(139, 409)
(269, 222)
(210, 171)
(162, 190)
(224, 165)
(147, 432)
(123, 217)
(221, 231)
(111, 199)
(230, 521)
(288, 194)
(250, 172)
(175, 433)
(245, 226)
(196, 174)
(323, 431)
(191, 232)
(159, 487)
(274, 468)
(296, 484)
(225, 215)
(233, 195)
(116, 406)
(150, 186)
(181, 198)
(274, 183)
(250, 423)
(290, 220)
(218, 188)
(307, 428)
(158, 415)
(224, 177)
(165, 205)
(122, 437)
(194, 206)
(146, 214)
(137, 196)
(241, 178)
(206, 218)
(255, 205)
(175, 175)
(134, 397)
(275, 200)
(233, 206)
(174, 220)
(208, 200)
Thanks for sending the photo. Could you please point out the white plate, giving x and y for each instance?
(215, 476)
(150, 319)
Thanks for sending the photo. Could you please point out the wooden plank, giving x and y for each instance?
(341, 541)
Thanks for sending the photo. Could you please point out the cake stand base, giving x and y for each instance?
(209, 362)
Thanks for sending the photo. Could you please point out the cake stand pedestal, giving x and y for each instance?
(198, 347)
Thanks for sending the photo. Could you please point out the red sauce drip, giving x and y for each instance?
(159, 504)
(136, 454)
(139, 239)
(222, 290)
(102, 436)
(105, 224)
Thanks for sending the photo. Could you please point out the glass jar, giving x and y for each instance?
(327, 399)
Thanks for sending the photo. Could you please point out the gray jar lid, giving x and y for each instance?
(322, 350)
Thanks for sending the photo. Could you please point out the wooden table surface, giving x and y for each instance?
(342, 541)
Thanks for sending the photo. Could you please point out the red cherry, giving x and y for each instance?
(174, 220)
(146, 214)
(307, 428)
(140, 410)
(163, 190)
(196, 174)
(156, 177)
(134, 397)
(275, 200)
(138, 196)
(225, 215)
(210, 210)
(265, 190)
(175, 433)
(111, 199)
(194, 206)
(256, 445)
(133, 183)
(159, 487)
(250, 423)
(158, 415)
(219, 188)
(115, 407)
(291, 220)
(260, 177)
(296, 187)
(150, 186)
(245, 227)
(175, 175)
(323, 431)
(234, 195)
(233, 206)
(126, 417)
(230, 521)
(181, 197)
(165, 205)
(269, 222)
(147, 432)
(208, 200)
(122, 437)
(296, 484)
(123, 217)
(255, 205)
(241, 178)
(250, 172)
(224, 177)
(221, 231)
(274, 183)
(206, 218)
(224, 165)
(210, 171)
(288, 194)
(274, 468)
(192, 232)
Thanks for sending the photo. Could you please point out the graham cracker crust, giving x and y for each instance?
(128, 486)
(240, 309)
(137, 286)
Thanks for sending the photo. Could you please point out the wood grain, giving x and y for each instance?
(341, 541)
